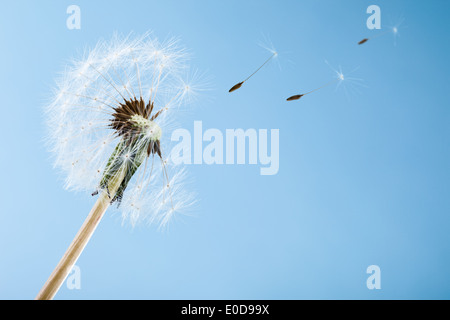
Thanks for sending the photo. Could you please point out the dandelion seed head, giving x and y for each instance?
(114, 104)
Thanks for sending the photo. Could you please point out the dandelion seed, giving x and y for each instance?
(295, 97)
(374, 37)
(114, 106)
(391, 30)
(363, 41)
(338, 79)
(236, 86)
(239, 85)
(298, 96)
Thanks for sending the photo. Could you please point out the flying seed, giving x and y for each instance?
(296, 97)
(393, 30)
(339, 78)
(363, 41)
(237, 86)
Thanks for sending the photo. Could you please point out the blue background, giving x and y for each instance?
(364, 178)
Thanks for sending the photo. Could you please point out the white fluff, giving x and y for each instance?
(80, 111)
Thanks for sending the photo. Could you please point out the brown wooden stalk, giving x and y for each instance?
(78, 244)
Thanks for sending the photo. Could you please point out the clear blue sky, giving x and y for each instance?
(364, 178)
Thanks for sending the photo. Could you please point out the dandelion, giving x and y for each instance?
(106, 130)
(274, 54)
(339, 78)
(390, 30)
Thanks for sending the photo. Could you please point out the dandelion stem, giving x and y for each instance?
(80, 241)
